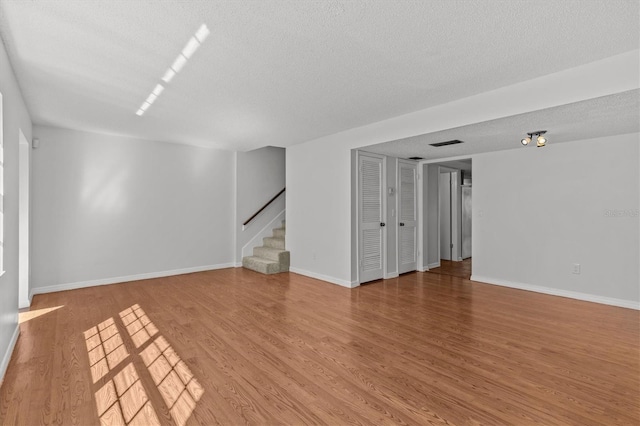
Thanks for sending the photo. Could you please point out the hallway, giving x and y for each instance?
(454, 269)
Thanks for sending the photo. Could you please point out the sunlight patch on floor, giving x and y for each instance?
(29, 315)
(123, 399)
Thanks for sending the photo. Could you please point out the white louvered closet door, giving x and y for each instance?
(407, 217)
(371, 239)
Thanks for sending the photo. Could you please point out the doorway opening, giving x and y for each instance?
(449, 218)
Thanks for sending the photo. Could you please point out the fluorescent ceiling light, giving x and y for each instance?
(187, 52)
(190, 48)
(151, 98)
(168, 75)
(179, 63)
(158, 89)
(202, 33)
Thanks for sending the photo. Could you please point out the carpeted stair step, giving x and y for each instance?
(271, 258)
(261, 265)
(279, 232)
(271, 253)
(274, 242)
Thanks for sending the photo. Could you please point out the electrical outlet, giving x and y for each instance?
(576, 268)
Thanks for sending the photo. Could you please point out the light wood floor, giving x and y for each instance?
(235, 347)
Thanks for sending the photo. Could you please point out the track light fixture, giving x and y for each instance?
(540, 140)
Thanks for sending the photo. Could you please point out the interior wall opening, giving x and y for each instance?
(448, 217)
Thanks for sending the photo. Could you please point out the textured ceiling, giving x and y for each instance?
(605, 116)
(285, 72)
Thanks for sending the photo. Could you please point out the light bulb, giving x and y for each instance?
(525, 141)
(541, 141)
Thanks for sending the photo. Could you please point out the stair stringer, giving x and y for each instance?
(257, 240)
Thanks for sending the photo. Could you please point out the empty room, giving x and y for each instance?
(300, 212)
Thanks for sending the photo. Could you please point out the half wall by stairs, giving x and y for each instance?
(271, 257)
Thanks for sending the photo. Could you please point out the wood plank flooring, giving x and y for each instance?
(235, 347)
(456, 269)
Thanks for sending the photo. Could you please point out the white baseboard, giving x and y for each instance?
(433, 265)
(238, 264)
(332, 280)
(630, 304)
(124, 279)
(391, 276)
(7, 355)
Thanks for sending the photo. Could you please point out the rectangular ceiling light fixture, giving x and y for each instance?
(178, 63)
(190, 48)
(453, 142)
(187, 52)
(168, 75)
(158, 89)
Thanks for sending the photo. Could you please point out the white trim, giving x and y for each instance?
(238, 265)
(332, 280)
(23, 304)
(118, 280)
(266, 231)
(234, 205)
(7, 355)
(391, 275)
(630, 304)
(433, 265)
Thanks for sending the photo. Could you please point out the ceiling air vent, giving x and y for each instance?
(416, 158)
(453, 142)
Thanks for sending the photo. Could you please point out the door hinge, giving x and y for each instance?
(451, 245)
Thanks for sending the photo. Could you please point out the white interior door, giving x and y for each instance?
(445, 216)
(407, 217)
(371, 238)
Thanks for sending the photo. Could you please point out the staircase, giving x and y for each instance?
(271, 258)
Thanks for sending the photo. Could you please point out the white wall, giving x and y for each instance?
(15, 117)
(109, 208)
(319, 211)
(319, 214)
(537, 212)
(260, 175)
